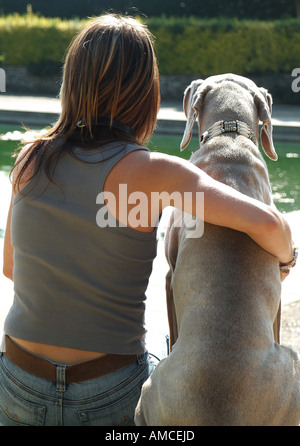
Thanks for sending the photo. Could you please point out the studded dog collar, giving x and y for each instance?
(220, 127)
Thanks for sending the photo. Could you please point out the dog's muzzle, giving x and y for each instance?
(220, 127)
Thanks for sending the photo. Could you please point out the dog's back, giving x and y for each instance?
(225, 368)
(233, 288)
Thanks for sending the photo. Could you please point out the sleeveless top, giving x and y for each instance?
(77, 284)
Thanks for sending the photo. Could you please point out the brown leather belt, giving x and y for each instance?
(76, 373)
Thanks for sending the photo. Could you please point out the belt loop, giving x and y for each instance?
(60, 378)
(142, 357)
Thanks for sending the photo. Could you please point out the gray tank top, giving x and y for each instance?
(76, 284)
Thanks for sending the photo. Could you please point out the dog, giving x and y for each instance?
(226, 366)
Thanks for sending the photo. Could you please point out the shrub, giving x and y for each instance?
(216, 46)
(184, 45)
(30, 39)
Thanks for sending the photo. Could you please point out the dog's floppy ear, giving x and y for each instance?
(263, 101)
(191, 107)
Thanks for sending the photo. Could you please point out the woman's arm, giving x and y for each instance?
(224, 206)
(8, 251)
(7, 248)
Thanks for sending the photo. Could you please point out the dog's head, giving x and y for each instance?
(194, 98)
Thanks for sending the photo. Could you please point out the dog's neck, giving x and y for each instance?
(221, 127)
(228, 104)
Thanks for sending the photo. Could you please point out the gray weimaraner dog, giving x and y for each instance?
(225, 367)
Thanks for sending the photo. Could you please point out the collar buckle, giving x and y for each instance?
(230, 126)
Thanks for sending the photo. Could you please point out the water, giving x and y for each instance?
(284, 173)
(285, 177)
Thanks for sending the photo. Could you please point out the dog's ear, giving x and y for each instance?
(191, 109)
(263, 101)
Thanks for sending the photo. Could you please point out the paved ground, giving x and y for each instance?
(282, 114)
(44, 110)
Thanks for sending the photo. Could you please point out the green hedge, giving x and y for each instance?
(29, 39)
(216, 46)
(184, 45)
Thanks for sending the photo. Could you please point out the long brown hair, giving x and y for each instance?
(110, 71)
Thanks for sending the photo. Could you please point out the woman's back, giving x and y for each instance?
(80, 275)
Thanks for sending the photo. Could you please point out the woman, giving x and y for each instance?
(74, 346)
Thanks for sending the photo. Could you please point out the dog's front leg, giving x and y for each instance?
(276, 325)
(173, 329)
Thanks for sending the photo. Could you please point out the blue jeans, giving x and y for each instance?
(27, 400)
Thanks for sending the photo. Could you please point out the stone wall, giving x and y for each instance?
(19, 80)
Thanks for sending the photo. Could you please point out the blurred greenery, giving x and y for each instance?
(184, 45)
